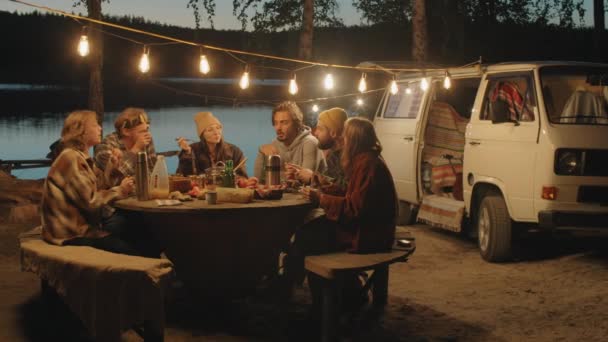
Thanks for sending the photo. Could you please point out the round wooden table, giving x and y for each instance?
(222, 250)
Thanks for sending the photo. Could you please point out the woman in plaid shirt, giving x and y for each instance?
(74, 194)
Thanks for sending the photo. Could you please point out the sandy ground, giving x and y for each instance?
(557, 290)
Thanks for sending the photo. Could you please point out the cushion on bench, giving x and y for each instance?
(109, 292)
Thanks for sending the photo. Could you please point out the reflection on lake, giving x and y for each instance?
(29, 137)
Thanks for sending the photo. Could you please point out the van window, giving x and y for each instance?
(405, 104)
(509, 99)
(576, 95)
(461, 96)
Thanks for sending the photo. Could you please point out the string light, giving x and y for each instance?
(447, 83)
(393, 87)
(244, 82)
(328, 82)
(424, 84)
(293, 85)
(144, 62)
(359, 102)
(185, 42)
(203, 65)
(315, 108)
(83, 44)
(362, 83)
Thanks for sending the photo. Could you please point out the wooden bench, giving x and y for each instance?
(109, 292)
(334, 267)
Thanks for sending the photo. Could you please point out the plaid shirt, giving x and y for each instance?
(72, 200)
(128, 163)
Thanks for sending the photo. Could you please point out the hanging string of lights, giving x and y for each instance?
(83, 50)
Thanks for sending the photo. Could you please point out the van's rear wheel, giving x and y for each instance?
(407, 213)
(494, 228)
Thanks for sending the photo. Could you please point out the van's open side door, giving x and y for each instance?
(397, 126)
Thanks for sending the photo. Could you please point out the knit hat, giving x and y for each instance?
(333, 119)
(204, 120)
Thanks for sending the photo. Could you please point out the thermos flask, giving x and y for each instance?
(141, 177)
(273, 170)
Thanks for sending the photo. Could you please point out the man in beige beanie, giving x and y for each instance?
(329, 133)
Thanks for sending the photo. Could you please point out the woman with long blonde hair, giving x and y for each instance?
(72, 196)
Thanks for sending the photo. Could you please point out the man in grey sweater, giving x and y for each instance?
(294, 141)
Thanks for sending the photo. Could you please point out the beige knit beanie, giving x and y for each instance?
(333, 119)
(204, 120)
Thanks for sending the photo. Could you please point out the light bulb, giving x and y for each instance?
(359, 102)
(204, 65)
(244, 82)
(447, 83)
(315, 108)
(408, 90)
(144, 63)
(424, 84)
(329, 82)
(83, 46)
(293, 86)
(362, 84)
(394, 87)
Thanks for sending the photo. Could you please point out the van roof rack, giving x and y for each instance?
(412, 69)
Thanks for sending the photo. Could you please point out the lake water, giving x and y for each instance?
(29, 137)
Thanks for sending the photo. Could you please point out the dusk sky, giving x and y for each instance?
(175, 12)
(167, 11)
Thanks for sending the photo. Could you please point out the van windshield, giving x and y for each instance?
(575, 95)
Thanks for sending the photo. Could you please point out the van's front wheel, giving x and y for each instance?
(494, 228)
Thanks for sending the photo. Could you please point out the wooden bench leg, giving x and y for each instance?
(329, 310)
(380, 286)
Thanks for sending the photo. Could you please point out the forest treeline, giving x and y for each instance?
(41, 48)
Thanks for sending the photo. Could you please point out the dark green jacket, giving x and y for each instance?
(200, 159)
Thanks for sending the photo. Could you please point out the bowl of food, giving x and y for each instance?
(265, 192)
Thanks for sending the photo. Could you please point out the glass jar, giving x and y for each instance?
(198, 180)
(214, 177)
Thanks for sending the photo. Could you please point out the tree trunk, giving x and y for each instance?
(96, 102)
(419, 31)
(305, 49)
(599, 25)
(598, 15)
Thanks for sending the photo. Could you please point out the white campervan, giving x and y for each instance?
(506, 143)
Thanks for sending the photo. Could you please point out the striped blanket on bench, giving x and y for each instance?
(444, 135)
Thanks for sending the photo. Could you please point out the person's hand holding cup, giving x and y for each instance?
(311, 194)
(126, 186)
(291, 170)
(142, 140)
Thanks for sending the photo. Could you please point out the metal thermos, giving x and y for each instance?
(142, 177)
(273, 170)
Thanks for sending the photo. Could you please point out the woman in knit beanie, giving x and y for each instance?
(197, 157)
